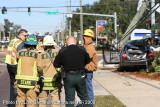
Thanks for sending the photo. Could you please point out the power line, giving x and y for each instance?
(138, 23)
(67, 6)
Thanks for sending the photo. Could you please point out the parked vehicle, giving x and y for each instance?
(5, 44)
(136, 53)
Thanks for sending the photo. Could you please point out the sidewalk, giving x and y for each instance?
(132, 92)
(98, 90)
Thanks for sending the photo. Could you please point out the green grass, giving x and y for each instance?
(151, 74)
(107, 101)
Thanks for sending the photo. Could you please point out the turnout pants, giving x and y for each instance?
(26, 97)
(55, 98)
(74, 83)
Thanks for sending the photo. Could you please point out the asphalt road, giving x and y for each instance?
(4, 82)
(4, 85)
(129, 90)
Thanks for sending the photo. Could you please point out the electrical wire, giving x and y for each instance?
(82, 6)
(138, 23)
(66, 6)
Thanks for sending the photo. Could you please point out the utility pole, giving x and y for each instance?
(70, 20)
(153, 14)
(0, 35)
(81, 22)
(115, 28)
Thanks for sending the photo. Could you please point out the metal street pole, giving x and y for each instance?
(88, 14)
(81, 22)
(4, 36)
(58, 36)
(115, 28)
(9, 36)
(96, 32)
(70, 21)
(93, 14)
(0, 35)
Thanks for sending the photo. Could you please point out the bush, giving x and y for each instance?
(156, 63)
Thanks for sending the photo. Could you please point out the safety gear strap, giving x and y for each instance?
(11, 51)
(26, 83)
(49, 84)
(24, 77)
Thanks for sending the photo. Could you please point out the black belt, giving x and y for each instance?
(77, 72)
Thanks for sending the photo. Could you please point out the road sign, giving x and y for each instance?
(52, 12)
(75, 34)
(69, 15)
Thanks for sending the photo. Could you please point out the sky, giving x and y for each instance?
(38, 22)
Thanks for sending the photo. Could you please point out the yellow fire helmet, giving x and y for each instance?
(88, 32)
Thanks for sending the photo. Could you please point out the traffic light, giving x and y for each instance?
(29, 10)
(4, 10)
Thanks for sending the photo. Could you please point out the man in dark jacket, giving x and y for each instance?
(73, 59)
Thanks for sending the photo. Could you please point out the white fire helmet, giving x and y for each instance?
(48, 41)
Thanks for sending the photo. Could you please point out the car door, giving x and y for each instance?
(111, 55)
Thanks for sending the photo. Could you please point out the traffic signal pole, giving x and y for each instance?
(115, 28)
(70, 28)
(81, 22)
(104, 15)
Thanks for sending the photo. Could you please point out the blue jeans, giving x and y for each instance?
(12, 69)
(89, 77)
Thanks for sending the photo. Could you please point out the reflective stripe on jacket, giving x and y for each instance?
(49, 72)
(27, 74)
(49, 83)
(11, 51)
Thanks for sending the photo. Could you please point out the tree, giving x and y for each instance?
(8, 31)
(125, 12)
(7, 25)
(16, 28)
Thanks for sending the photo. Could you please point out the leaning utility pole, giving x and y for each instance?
(81, 22)
(153, 14)
(133, 23)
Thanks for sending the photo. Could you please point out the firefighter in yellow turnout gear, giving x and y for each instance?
(27, 75)
(50, 85)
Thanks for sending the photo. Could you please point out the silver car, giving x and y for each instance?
(135, 56)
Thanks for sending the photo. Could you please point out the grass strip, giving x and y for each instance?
(107, 101)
